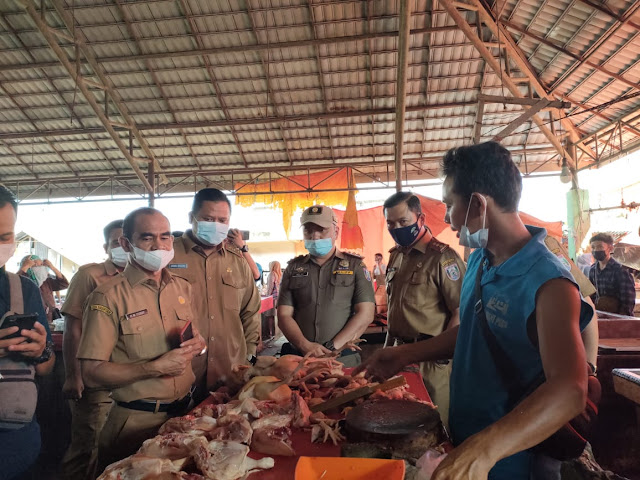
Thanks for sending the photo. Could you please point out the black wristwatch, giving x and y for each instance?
(252, 359)
(245, 248)
(46, 354)
(329, 345)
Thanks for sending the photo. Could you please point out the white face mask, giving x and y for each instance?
(119, 256)
(211, 233)
(6, 252)
(41, 273)
(477, 239)
(153, 260)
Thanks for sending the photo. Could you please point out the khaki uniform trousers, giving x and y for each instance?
(124, 433)
(436, 379)
(88, 416)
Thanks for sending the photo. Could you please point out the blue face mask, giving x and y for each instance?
(405, 236)
(211, 233)
(318, 248)
(477, 239)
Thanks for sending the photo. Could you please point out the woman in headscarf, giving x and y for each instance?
(37, 270)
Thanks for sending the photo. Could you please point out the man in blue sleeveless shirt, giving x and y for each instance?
(534, 310)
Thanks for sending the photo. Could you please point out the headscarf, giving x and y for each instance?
(30, 272)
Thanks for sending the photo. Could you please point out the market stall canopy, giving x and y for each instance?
(112, 98)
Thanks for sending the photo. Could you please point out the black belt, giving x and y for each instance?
(177, 407)
(289, 349)
(419, 338)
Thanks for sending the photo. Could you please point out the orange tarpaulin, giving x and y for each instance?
(299, 198)
(377, 238)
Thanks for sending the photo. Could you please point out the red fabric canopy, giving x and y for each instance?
(377, 239)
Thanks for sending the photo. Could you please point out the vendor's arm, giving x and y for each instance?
(58, 283)
(386, 362)
(560, 398)
(627, 293)
(590, 335)
(235, 237)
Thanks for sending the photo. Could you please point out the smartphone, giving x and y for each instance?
(24, 321)
(245, 234)
(186, 333)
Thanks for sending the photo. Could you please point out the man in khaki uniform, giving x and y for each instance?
(424, 279)
(89, 407)
(131, 341)
(326, 297)
(226, 302)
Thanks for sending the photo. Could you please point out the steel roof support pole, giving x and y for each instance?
(401, 86)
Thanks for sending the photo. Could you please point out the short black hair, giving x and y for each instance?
(7, 196)
(412, 201)
(128, 224)
(485, 168)
(602, 237)
(111, 226)
(208, 195)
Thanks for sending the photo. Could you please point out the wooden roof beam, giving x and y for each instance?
(71, 70)
(493, 63)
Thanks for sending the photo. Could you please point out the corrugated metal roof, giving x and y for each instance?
(211, 89)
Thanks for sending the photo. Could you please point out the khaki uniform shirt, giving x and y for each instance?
(323, 297)
(85, 281)
(586, 287)
(129, 320)
(226, 305)
(423, 288)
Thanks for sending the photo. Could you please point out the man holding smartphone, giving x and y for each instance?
(19, 448)
(89, 406)
(226, 301)
(130, 340)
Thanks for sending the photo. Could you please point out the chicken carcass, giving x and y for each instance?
(235, 428)
(223, 460)
(173, 446)
(271, 435)
(142, 467)
(301, 412)
(188, 424)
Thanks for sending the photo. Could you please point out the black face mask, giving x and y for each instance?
(599, 255)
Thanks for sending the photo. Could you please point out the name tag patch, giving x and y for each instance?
(178, 265)
(299, 274)
(343, 272)
(101, 308)
(139, 313)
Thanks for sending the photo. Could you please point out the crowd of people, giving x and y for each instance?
(129, 364)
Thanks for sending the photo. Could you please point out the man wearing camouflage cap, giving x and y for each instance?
(326, 297)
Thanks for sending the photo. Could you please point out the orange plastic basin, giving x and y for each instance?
(339, 468)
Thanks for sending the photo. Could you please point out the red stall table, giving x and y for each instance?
(285, 466)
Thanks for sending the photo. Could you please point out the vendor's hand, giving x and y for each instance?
(383, 364)
(33, 342)
(469, 461)
(73, 387)
(235, 237)
(312, 349)
(197, 343)
(175, 362)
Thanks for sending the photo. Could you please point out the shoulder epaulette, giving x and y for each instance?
(393, 249)
(109, 284)
(231, 248)
(299, 257)
(438, 246)
(87, 266)
(352, 255)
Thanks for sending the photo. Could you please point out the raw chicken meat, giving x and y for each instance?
(235, 428)
(271, 435)
(171, 445)
(188, 424)
(226, 460)
(141, 467)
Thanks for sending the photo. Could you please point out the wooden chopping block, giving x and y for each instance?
(359, 393)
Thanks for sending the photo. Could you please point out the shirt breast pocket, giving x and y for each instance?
(343, 280)
(300, 290)
(416, 288)
(232, 290)
(389, 278)
(134, 331)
